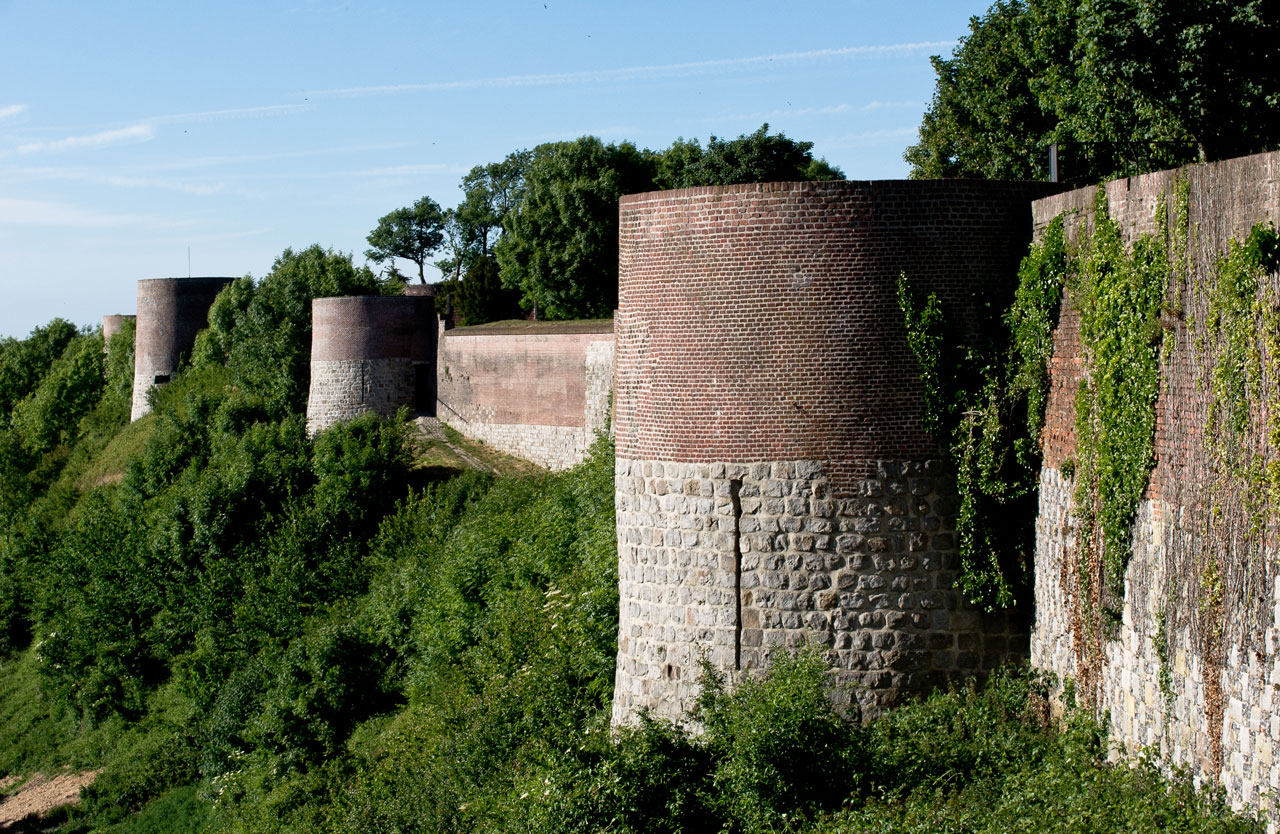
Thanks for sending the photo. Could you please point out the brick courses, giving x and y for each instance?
(171, 311)
(775, 485)
(539, 395)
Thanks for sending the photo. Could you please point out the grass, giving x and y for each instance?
(107, 467)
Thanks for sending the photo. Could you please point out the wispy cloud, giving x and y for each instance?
(230, 113)
(644, 72)
(12, 110)
(239, 159)
(825, 110)
(411, 170)
(870, 137)
(43, 213)
(27, 174)
(893, 105)
(133, 133)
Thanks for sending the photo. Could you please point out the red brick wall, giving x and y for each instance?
(760, 322)
(525, 378)
(1225, 200)
(363, 327)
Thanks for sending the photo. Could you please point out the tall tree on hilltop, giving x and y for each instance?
(413, 233)
(755, 157)
(1125, 86)
(560, 241)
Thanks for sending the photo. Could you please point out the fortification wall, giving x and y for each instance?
(171, 311)
(363, 350)
(539, 391)
(1191, 671)
(775, 485)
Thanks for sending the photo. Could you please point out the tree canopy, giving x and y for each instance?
(413, 233)
(560, 246)
(1124, 86)
(261, 331)
(559, 206)
(538, 230)
(754, 157)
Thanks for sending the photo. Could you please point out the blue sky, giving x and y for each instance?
(132, 132)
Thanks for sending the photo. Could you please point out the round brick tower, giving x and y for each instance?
(111, 325)
(775, 486)
(362, 357)
(171, 311)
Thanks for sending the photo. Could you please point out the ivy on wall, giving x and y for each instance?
(1243, 330)
(1119, 296)
(989, 402)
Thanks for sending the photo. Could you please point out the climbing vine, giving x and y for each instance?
(1119, 296)
(989, 402)
(1245, 331)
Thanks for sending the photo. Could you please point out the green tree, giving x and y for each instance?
(24, 362)
(49, 415)
(985, 119)
(261, 331)
(412, 233)
(481, 297)
(755, 157)
(560, 241)
(1125, 86)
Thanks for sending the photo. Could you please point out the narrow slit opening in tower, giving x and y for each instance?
(735, 496)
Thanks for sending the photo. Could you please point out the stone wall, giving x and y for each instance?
(538, 391)
(363, 351)
(1191, 671)
(171, 311)
(775, 485)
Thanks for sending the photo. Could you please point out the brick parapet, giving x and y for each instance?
(761, 322)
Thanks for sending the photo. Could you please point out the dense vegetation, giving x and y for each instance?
(248, 629)
(538, 231)
(1124, 86)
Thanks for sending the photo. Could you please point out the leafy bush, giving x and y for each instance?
(261, 331)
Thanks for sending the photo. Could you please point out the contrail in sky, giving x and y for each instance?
(629, 73)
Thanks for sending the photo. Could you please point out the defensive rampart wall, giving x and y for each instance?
(538, 391)
(1191, 669)
(775, 484)
(170, 313)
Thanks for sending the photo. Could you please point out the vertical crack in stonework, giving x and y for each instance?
(735, 496)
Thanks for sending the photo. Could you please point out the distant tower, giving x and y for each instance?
(111, 326)
(775, 485)
(171, 311)
(363, 355)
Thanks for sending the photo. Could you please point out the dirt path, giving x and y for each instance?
(430, 428)
(40, 795)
